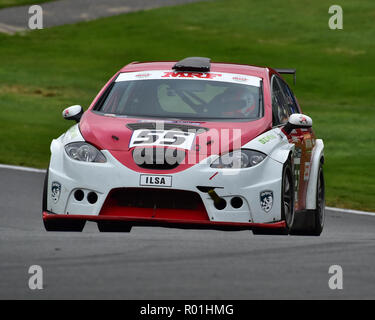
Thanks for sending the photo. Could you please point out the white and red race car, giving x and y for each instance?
(188, 144)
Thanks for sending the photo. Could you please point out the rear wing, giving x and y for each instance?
(288, 71)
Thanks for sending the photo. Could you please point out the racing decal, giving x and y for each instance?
(208, 76)
(308, 143)
(304, 140)
(162, 138)
(267, 138)
(155, 180)
(55, 191)
(239, 79)
(302, 120)
(308, 140)
(297, 169)
(200, 75)
(214, 175)
(306, 175)
(72, 133)
(295, 139)
(266, 200)
(143, 75)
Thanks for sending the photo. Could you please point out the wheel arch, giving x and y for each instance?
(283, 154)
(317, 159)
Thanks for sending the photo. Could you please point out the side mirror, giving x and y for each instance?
(73, 113)
(297, 121)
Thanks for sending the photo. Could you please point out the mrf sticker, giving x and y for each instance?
(266, 200)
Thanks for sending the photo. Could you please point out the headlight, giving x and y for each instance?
(243, 158)
(83, 151)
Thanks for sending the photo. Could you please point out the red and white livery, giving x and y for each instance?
(188, 144)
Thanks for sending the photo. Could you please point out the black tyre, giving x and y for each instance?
(45, 188)
(287, 204)
(72, 225)
(320, 204)
(114, 226)
(311, 222)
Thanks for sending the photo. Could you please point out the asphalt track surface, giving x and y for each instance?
(56, 13)
(161, 263)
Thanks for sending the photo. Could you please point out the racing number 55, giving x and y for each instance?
(162, 138)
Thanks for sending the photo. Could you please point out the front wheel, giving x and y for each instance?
(320, 204)
(287, 193)
(311, 222)
(72, 225)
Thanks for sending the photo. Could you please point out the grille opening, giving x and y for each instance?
(155, 198)
(155, 166)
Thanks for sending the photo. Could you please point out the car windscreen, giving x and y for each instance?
(184, 97)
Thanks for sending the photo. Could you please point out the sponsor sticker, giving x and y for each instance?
(143, 75)
(308, 143)
(210, 76)
(267, 138)
(306, 174)
(155, 180)
(55, 191)
(198, 75)
(266, 200)
(72, 133)
(239, 78)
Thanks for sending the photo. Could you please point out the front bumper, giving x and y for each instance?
(101, 179)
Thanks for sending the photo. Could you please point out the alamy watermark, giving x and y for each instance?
(35, 17)
(336, 21)
(36, 278)
(336, 281)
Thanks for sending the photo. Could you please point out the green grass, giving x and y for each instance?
(14, 3)
(47, 70)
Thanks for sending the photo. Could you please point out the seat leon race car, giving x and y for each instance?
(188, 144)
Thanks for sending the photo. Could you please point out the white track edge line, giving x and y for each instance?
(364, 213)
(28, 169)
(19, 168)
